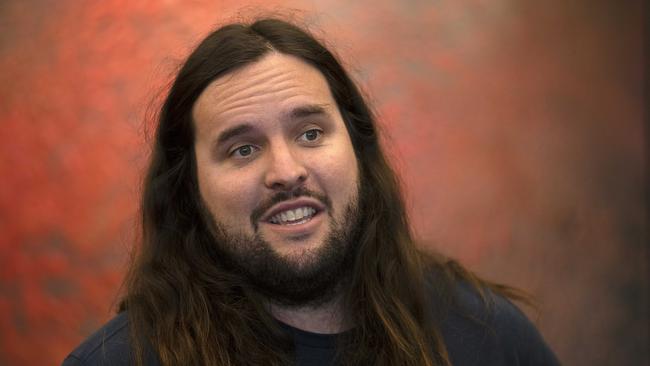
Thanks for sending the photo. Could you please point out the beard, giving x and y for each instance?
(309, 278)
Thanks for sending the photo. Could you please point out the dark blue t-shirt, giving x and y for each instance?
(474, 333)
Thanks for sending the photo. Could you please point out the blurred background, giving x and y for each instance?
(517, 127)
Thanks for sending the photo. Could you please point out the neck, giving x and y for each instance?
(327, 318)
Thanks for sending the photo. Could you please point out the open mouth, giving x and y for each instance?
(295, 216)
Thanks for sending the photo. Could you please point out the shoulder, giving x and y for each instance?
(491, 330)
(109, 345)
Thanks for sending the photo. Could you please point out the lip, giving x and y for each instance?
(297, 231)
(293, 204)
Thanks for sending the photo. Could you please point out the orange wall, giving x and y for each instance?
(517, 127)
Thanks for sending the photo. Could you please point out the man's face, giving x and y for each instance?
(276, 170)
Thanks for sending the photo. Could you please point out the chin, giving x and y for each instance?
(299, 250)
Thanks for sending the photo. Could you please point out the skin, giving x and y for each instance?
(285, 131)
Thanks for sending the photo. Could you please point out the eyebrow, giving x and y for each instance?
(307, 110)
(296, 113)
(235, 131)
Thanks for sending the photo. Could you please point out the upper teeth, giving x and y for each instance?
(293, 215)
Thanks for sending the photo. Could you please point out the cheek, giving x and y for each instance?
(339, 175)
(227, 196)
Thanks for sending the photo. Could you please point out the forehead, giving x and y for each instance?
(274, 84)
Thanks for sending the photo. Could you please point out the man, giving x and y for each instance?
(274, 231)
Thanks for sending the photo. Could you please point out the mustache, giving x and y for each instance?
(278, 197)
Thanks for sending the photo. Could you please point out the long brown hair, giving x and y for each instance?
(184, 306)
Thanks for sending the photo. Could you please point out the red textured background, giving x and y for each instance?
(517, 126)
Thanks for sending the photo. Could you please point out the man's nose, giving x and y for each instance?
(285, 170)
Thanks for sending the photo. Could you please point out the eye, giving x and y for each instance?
(243, 151)
(311, 135)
